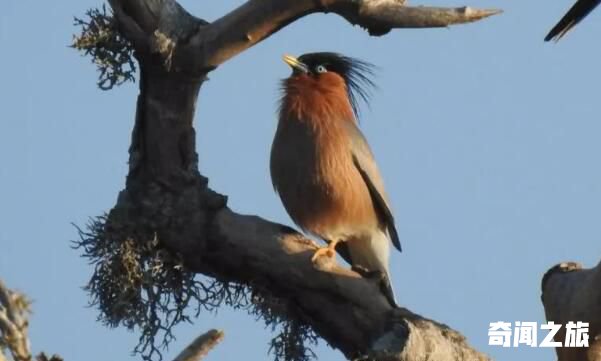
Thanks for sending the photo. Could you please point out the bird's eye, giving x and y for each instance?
(320, 69)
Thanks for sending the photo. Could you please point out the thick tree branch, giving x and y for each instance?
(258, 19)
(209, 45)
(572, 293)
(348, 311)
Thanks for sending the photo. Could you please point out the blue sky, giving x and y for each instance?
(487, 138)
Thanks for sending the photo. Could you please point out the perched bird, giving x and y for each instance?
(578, 12)
(322, 167)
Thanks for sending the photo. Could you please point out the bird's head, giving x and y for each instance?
(332, 68)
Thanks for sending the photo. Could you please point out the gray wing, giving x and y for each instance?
(367, 167)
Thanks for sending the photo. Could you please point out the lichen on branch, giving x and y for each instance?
(112, 53)
(294, 339)
(138, 284)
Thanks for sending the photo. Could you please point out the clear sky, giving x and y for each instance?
(487, 138)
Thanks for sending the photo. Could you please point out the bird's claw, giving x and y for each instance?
(323, 251)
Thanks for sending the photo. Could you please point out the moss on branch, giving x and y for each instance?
(140, 285)
(112, 53)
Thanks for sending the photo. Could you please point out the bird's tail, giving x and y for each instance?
(578, 12)
(386, 287)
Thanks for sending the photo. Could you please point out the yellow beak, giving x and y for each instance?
(295, 63)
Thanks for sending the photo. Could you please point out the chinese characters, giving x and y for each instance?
(526, 333)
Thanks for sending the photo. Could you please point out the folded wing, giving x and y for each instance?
(367, 167)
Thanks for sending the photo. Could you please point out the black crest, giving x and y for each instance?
(356, 73)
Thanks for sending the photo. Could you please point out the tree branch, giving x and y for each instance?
(391, 14)
(14, 321)
(201, 346)
(14, 309)
(572, 293)
(209, 45)
(349, 311)
(258, 19)
(167, 198)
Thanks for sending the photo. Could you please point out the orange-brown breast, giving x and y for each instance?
(311, 162)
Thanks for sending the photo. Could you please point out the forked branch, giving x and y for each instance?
(167, 196)
(210, 44)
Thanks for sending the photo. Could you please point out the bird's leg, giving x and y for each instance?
(329, 250)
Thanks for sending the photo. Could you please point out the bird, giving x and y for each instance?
(323, 169)
(576, 13)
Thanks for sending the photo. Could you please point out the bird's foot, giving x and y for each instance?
(323, 251)
(328, 251)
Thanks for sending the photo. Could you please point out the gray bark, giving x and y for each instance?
(573, 293)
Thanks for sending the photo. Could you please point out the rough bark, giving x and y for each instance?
(165, 194)
(572, 293)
